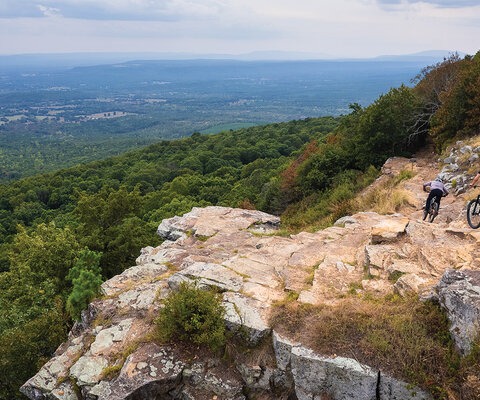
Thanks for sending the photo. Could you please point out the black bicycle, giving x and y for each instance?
(473, 212)
(433, 211)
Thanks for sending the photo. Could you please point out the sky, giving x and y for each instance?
(327, 28)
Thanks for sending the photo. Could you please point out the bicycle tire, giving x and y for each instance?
(433, 210)
(473, 214)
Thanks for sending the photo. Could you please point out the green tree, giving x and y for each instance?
(458, 113)
(435, 86)
(384, 128)
(26, 346)
(109, 224)
(86, 279)
(32, 322)
(47, 251)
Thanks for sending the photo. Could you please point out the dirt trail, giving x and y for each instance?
(426, 167)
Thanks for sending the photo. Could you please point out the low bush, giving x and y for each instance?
(193, 315)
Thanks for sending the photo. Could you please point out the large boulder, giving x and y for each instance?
(316, 376)
(206, 222)
(459, 294)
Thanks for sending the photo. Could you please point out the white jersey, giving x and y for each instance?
(436, 185)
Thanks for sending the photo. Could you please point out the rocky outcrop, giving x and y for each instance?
(457, 164)
(339, 378)
(226, 220)
(459, 293)
(111, 353)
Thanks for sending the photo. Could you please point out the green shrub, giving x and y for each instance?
(193, 315)
(86, 280)
(403, 175)
(322, 209)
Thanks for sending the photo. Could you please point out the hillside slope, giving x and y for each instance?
(262, 277)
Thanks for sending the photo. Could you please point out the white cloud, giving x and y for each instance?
(113, 9)
(338, 27)
(49, 11)
(439, 3)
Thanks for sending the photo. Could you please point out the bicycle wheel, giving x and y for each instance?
(473, 214)
(433, 210)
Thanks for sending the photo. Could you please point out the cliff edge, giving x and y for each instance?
(110, 354)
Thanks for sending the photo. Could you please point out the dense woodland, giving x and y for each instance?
(58, 117)
(63, 233)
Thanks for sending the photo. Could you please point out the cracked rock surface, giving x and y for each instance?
(238, 252)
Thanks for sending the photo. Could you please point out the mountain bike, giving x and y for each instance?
(433, 211)
(473, 212)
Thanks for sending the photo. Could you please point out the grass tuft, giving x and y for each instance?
(403, 337)
(387, 197)
(321, 209)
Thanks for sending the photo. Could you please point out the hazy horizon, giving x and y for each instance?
(78, 59)
(330, 29)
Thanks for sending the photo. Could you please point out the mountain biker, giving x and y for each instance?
(437, 189)
(475, 179)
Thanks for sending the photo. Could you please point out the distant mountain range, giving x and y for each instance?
(62, 60)
(421, 56)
